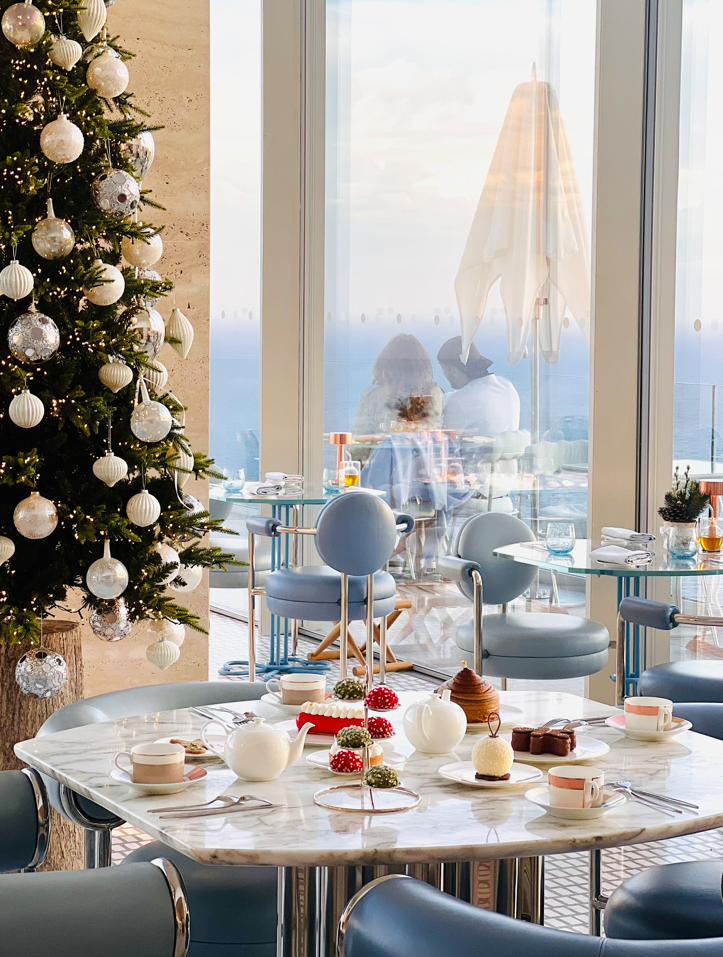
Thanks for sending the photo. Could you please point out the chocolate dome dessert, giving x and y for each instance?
(477, 698)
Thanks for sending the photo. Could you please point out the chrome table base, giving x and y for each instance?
(312, 899)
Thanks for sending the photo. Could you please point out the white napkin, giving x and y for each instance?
(263, 488)
(615, 555)
(611, 533)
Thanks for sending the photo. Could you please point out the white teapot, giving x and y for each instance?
(435, 725)
(257, 751)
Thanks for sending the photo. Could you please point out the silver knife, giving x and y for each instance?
(216, 812)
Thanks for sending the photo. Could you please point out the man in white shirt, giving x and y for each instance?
(483, 403)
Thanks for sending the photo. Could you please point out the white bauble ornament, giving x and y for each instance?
(184, 461)
(163, 654)
(107, 577)
(156, 375)
(147, 324)
(92, 18)
(35, 517)
(179, 632)
(115, 375)
(26, 410)
(107, 75)
(112, 622)
(53, 238)
(143, 509)
(139, 152)
(16, 282)
(180, 328)
(65, 53)
(116, 193)
(169, 556)
(61, 140)
(108, 292)
(41, 673)
(33, 337)
(191, 574)
(151, 421)
(142, 252)
(23, 24)
(161, 629)
(7, 549)
(110, 469)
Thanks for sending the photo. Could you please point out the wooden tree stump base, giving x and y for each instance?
(21, 717)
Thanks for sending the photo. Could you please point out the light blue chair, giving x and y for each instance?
(140, 911)
(355, 535)
(397, 916)
(233, 908)
(516, 644)
(24, 821)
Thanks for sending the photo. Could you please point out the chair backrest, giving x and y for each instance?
(502, 579)
(356, 533)
(24, 820)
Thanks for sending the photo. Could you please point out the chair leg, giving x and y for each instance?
(344, 639)
(328, 640)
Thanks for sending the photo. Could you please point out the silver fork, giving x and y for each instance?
(659, 797)
(228, 804)
(223, 798)
(649, 802)
(240, 805)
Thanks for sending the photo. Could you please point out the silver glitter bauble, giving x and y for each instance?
(107, 577)
(33, 337)
(112, 622)
(41, 673)
(53, 238)
(149, 274)
(150, 330)
(35, 517)
(140, 153)
(23, 24)
(116, 193)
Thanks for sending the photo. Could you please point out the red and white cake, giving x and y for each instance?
(328, 717)
(376, 753)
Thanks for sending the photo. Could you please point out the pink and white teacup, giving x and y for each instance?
(648, 714)
(574, 786)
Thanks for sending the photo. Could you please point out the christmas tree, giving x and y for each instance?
(80, 340)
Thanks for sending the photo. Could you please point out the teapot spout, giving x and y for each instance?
(297, 745)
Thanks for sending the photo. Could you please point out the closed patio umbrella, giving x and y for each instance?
(528, 231)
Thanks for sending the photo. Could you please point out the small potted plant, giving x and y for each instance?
(683, 504)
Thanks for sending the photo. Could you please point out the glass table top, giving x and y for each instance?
(310, 496)
(578, 562)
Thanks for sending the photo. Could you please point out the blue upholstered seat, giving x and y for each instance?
(24, 820)
(233, 909)
(314, 593)
(562, 646)
(684, 681)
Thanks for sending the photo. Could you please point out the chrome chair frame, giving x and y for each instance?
(42, 808)
(96, 835)
(621, 645)
(181, 912)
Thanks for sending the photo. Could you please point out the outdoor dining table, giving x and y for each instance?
(484, 845)
(579, 562)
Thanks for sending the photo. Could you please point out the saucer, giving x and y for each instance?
(122, 777)
(587, 749)
(462, 772)
(207, 757)
(320, 759)
(510, 715)
(541, 797)
(617, 721)
(283, 708)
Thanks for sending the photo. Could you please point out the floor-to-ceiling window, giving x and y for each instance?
(457, 281)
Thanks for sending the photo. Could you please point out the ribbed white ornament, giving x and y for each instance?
(7, 550)
(169, 556)
(65, 53)
(106, 293)
(185, 461)
(91, 18)
(16, 282)
(143, 509)
(191, 574)
(26, 410)
(110, 469)
(180, 328)
(107, 75)
(163, 654)
(142, 252)
(115, 375)
(156, 375)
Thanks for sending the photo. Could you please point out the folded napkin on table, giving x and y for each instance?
(611, 533)
(263, 488)
(616, 555)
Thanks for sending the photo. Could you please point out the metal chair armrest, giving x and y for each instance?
(457, 569)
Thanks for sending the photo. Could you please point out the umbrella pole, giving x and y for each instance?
(535, 428)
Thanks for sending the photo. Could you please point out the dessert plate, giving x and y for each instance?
(588, 749)
(510, 715)
(123, 778)
(217, 740)
(284, 708)
(541, 797)
(617, 721)
(462, 772)
(320, 759)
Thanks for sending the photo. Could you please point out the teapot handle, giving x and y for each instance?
(207, 743)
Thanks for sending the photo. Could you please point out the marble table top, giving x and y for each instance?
(451, 823)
